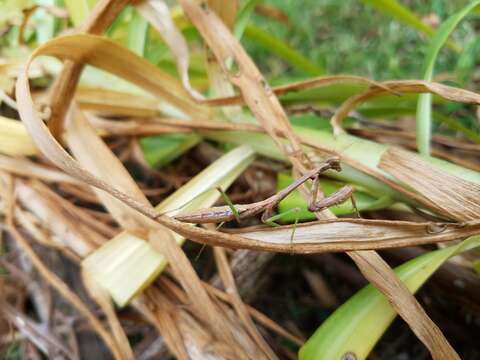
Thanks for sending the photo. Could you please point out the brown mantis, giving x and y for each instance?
(220, 214)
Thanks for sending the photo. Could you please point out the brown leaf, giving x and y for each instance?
(402, 86)
(450, 195)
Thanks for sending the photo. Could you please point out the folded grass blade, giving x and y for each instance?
(424, 106)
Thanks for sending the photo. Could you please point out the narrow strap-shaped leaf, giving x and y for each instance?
(358, 324)
(424, 106)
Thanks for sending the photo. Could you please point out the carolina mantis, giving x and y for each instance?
(220, 214)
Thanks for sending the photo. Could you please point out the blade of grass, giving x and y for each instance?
(243, 17)
(457, 126)
(137, 33)
(160, 150)
(402, 14)
(424, 106)
(78, 10)
(278, 47)
(359, 323)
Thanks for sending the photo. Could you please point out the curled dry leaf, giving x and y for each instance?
(359, 234)
(106, 55)
(102, 15)
(402, 86)
(450, 195)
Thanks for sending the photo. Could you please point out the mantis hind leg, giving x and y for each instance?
(229, 203)
(354, 205)
(271, 221)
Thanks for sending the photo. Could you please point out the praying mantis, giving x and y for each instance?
(221, 214)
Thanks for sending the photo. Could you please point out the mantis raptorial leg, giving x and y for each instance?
(336, 198)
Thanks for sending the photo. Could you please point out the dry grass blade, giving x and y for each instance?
(92, 152)
(316, 82)
(163, 125)
(219, 83)
(54, 280)
(239, 306)
(27, 168)
(109, 56)
(355, 234)
(243, 73)
(106, 101)
(257, 315)
(158, 15)
(161, 314)
(204, 341)
(67, 231)
(103, 299)
(451, 196)
(200, 300)
(402, 86)
(101, 17)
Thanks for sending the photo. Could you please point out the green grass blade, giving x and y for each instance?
(243, 17)
(278, 47)
(457, 126)
(137, 33)
(424, 106)
(78, 10)
(360, 322)
(229, 203)
(160, 150)
(400, 13)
